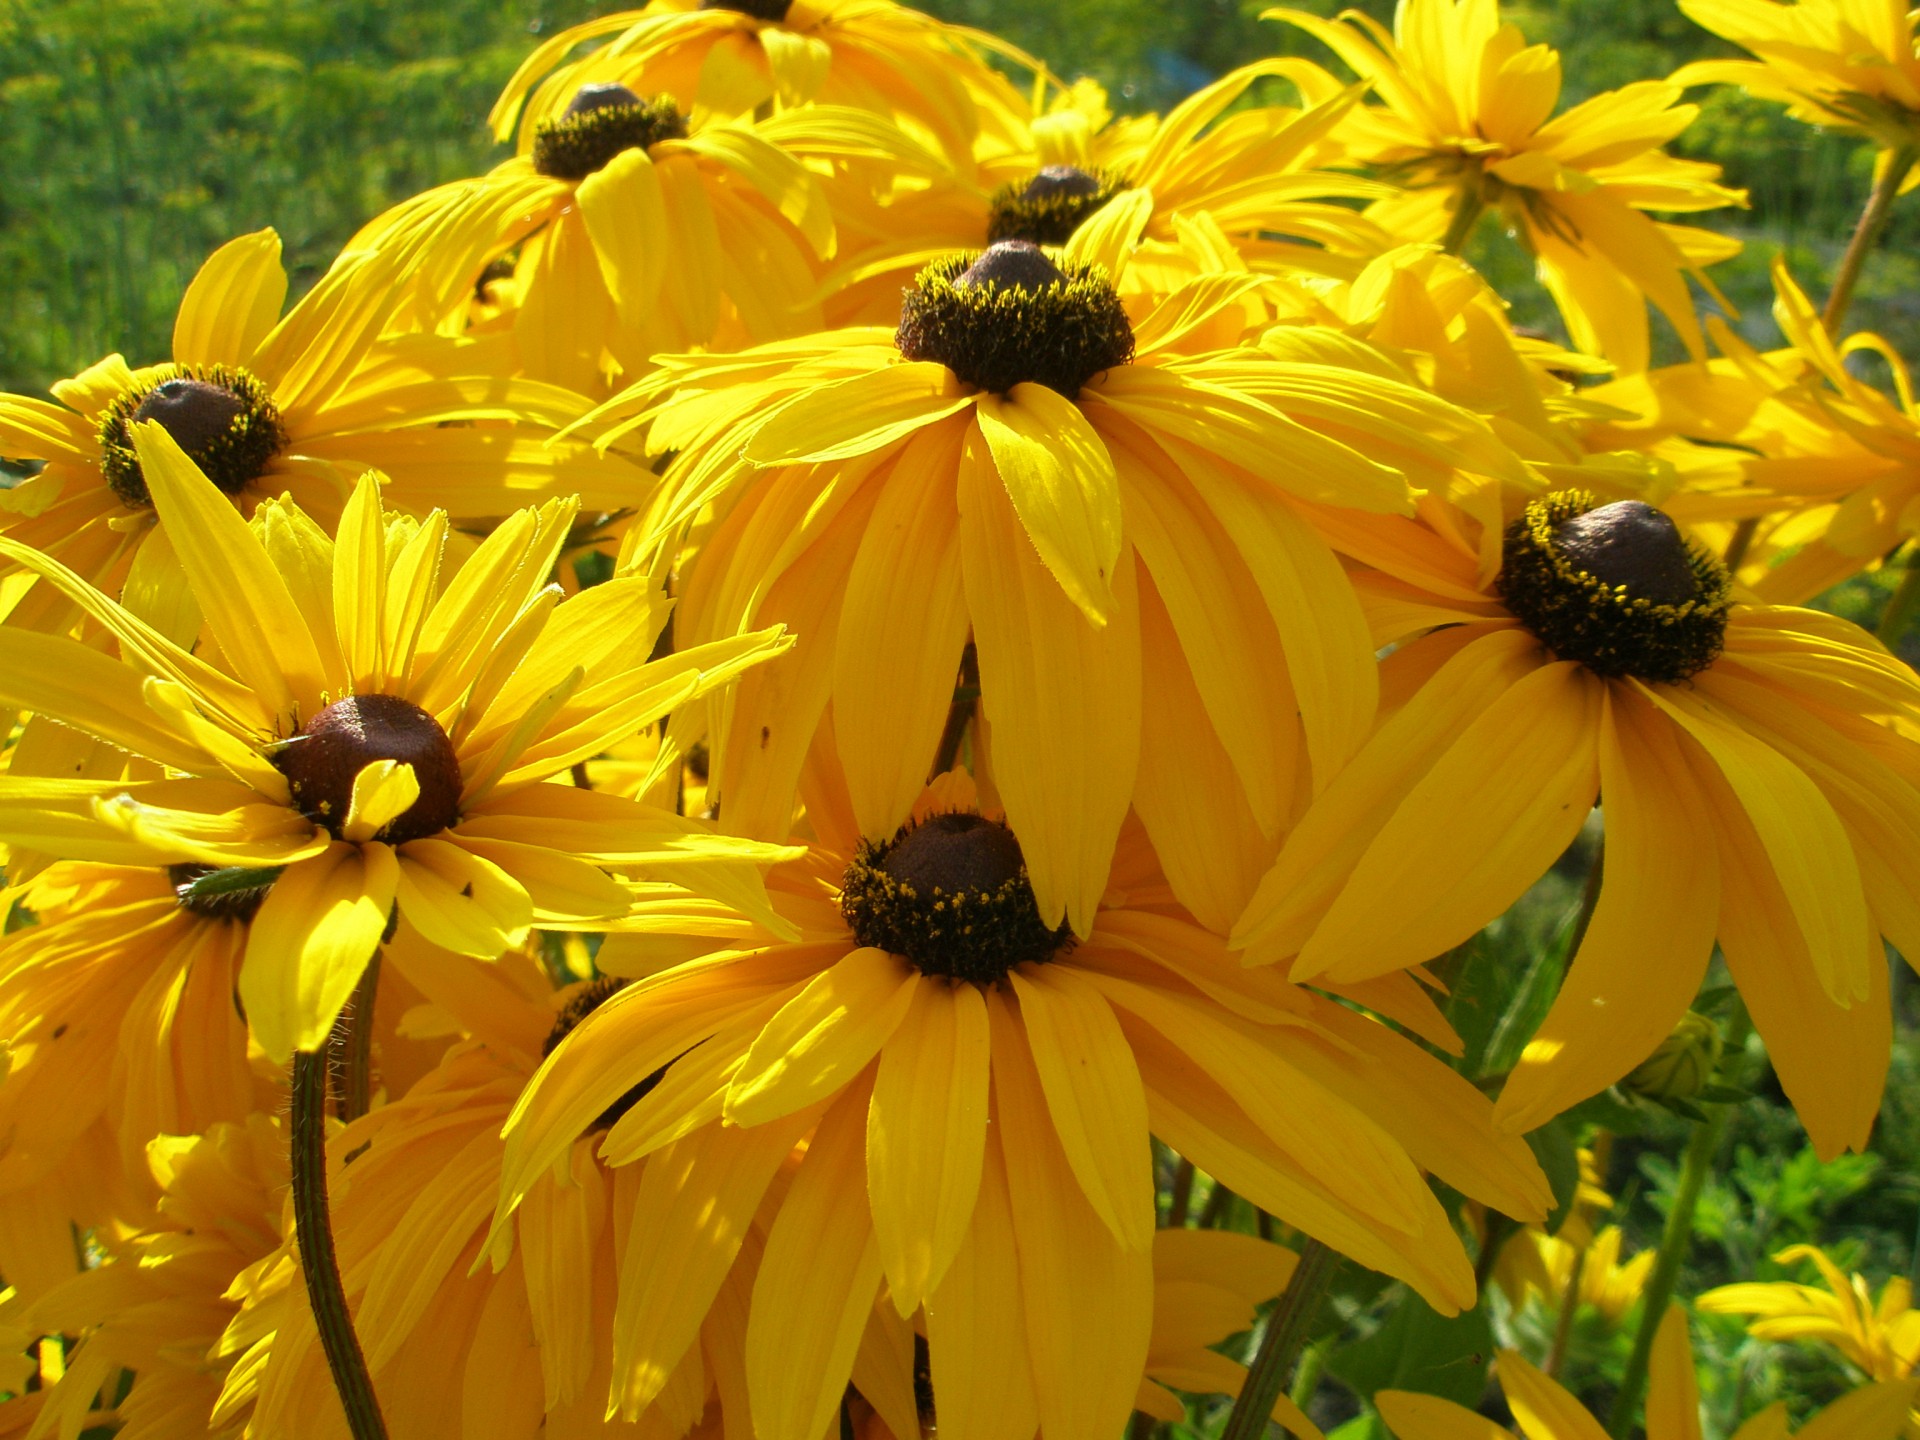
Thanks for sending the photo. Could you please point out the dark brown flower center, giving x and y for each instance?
(951, 896)
(1616, 587)
(579, 1005)
(1012, 316)
(220, 415)
(771, 11)
(321, 762)
(599, 123)
(1049, 206)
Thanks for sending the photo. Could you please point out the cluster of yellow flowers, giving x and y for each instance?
(760, 699)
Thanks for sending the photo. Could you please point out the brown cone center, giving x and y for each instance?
(955, 853)
(1012, 265)
(1056, 182)
(600, 97)
(320, 763)
(195, 412)
(1632, 545)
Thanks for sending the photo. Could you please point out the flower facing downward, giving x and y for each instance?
(365, 729)
(1756, 767)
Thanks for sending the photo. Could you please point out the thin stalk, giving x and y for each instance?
(1569, 1304)
(1181, 1198)
(1906, 599)
(1286, 1328)
(1306, 1375)
(350, 1048)
(1741, 542)
(1465, 217)
(966, 697)
(1873, 222)
(1215, 1210)
(1500, 1229)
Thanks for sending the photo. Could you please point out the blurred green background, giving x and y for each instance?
(136, 135)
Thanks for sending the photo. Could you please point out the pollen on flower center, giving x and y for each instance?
(1616, 587)
(1047, 208)
(771, 11)
(950, 896)
(1011, 316)
(321, 762)
(220, 415)
(600, 122)
(580, 1004)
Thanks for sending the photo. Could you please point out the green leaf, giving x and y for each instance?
(1419, 1349)
(1555, 1146)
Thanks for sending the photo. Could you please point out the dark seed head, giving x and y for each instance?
(321, 762)
(1012, 265)
(599, 123)
(1049, 206)
(221, 416)
(1615, 587)
(600, 97)
(580, 1004)
(951, 896)
(1011, 316)
(1632, 546)
(771, 11)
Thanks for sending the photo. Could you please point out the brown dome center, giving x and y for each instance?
(321, 762)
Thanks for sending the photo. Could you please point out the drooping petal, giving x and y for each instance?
(1673, 1391)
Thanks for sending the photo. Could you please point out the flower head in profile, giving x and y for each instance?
(1126, 529)
(1547, 1411)
(1466, 123)
(627, 228)
(1757, 767)
(1880, 1337)
(977, 1091)
(268, 405)
(368, 727)
(1840, 64)
(733, 57)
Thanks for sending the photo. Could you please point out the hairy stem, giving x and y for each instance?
(350, 1048)
(314, 1233)
(1286, 1329)
(1466, 218)
(1873, 222)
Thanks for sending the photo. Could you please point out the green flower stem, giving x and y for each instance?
(314, 1233)
(1906, 599)
(1465, 219)
(350, 1048)
(1286, 1329)
(1563, 1323)
(966, 699)
(1873, 221)
(1675, 1240)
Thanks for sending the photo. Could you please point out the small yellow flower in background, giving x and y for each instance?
(1546, 1411)
(1880, 1337)
(376, 732)
(1748, 800)
(1842, 64)
(733, 59)
(1534, 1264)
(1466, 124)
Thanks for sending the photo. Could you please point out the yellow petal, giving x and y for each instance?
(1061, 481)
(1646, 950)
(1428, 1417)
(232, 303)
(1873, 1412)
(242, 596)
(1673, 1391)
(857, 417)
(625, 214)
(816, 1284)
(1093, 1094)
(313, 935)
(360, 586)
(78, 686)
(926, 1133)
(823, 1037)
(461, 901)
(382, 791)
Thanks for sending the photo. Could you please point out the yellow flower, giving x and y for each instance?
(265, 405)
(1127, 531)
(979, 1092)
(1758, 767)
(1546, 1411)
(631, 229)
(1534, 1263)
(734, 59)
(1841, 64)
(1466, 123)
(1881, 1338)
(158, 1303)
(369, 727)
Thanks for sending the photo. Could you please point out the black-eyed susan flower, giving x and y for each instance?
(1125, 529)
(266, 405)
(1547, 1411)
(734, 59)
(1878, 1335)
(367, 729)
(1466, 125)
(1757, 767)
(1839, 64)
(629, 230)
(977, 1091)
